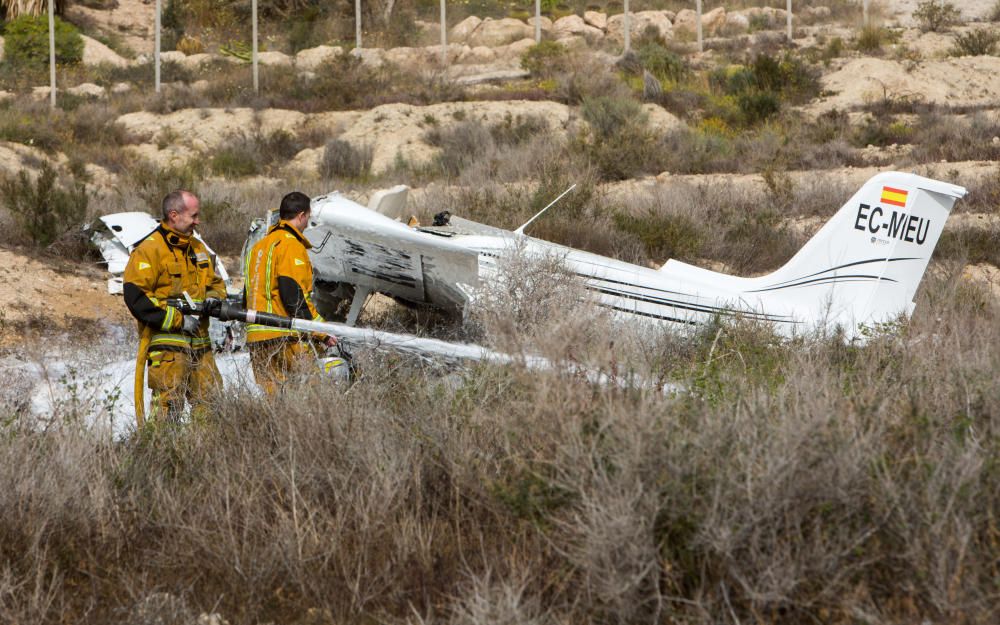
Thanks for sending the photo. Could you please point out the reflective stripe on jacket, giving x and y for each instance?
(279, 279)
(163, 266)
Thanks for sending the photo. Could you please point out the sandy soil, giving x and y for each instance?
(39, 295)
(971, 9)
(131, 20)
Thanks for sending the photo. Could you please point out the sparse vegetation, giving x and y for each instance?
(43, 208)
(871, 39)
(976, 43)
(936, 15)
(343, 160)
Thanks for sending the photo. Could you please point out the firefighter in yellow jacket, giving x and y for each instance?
(167, 263)
(279, 279)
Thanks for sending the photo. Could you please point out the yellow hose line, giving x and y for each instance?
(140, 375)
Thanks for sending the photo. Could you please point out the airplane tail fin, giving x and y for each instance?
(864, 265)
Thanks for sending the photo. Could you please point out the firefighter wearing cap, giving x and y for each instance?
(279, 279)
(167, 263)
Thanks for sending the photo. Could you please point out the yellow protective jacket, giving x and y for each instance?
(278, 279)
(165, 265)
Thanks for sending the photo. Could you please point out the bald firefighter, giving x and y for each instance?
(279, 279)
(167, 263)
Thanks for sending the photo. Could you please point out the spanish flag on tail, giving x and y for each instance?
(895, 197)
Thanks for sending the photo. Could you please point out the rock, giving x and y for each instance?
(307, 162)
(121, 87)
(491, 75)
(736, 24)
(96, 53)
(201, 86)
(5, 95)
(574, 42)
(544, 21)
(452, 53)
(638, 22)
(713, 22)
(816, 13)
(661, 121)
(764, 17)
(100, 176)
(461, 31)
(477, 56)
(274, 59)
(514, 52)
(195, 61)
(494, 33)
(87, 89)
(41, 93)
(370, 57)
(311, 59)
(405, 57)
(172, 56)
(574, 25)
(686, 21)
(596, 19)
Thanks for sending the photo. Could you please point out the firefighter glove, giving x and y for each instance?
(191, 324)
(212, 306)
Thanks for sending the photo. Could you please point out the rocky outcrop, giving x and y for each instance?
(312, 58)
(638, 22)
(87, 90)
(96, 53)
(397, 130)
(461, 31)
(205, 129)
(274, 59)
(574, 25)
(596, 19)
(495, 33)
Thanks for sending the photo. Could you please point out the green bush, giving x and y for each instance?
(661, 62)
(26, 41)
(760, 87)
(233, 162)
(976, 43)
(619, 141)
(544, 59)
(43, 209)
(936, 15)
(663, 236)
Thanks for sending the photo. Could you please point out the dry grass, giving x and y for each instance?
(793, 481)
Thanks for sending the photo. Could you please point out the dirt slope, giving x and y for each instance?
(39, 295)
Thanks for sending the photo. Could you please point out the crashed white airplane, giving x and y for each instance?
(862, 268)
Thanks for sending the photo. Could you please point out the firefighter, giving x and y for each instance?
(176, 348)
(279, 279)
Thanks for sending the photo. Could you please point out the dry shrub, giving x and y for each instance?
(528, 298)
(343, 160)
(940, 137)
(802, 480)
(254, 152)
